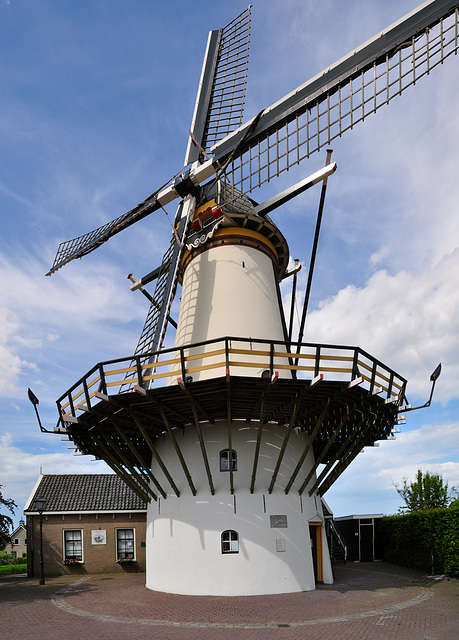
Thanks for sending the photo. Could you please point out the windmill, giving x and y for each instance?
(223, 434)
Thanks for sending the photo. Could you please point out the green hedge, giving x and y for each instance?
(423, 540)
(13, 568)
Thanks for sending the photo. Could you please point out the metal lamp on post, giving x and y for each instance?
(40, 506)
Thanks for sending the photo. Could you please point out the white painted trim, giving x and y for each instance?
(116, 541)
(64, 529)
(29, 500)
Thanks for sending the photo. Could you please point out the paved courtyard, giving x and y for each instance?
(373, 600)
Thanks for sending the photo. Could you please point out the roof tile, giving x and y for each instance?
(87, 492)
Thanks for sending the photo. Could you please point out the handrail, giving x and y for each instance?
(334, 361)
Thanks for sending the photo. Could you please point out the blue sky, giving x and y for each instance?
(95, 106)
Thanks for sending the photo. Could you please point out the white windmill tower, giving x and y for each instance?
(223, 435)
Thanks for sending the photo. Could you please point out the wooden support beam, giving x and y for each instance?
(196, 405)
(355, 444)
(308, 446)
(112, 462)
(298, 398)
(138, 476)
(140, 460)
(154, 452)
(230, 442)
(201, 443)
(324, 451)
(338, 454)
(340, 467)
(176, 446)
(101, 396)
(258, 443)
(280, 457)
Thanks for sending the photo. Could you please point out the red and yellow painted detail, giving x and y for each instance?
(203, 213)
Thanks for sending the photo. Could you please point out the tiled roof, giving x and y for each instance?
(86, 492)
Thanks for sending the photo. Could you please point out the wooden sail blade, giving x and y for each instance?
(335, 100)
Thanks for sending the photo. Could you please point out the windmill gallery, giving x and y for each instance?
(233, 436)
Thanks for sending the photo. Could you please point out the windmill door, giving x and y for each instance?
(315, 535)
(366, 540)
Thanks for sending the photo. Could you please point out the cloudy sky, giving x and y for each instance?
(95, 104)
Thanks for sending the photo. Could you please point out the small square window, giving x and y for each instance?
(225, 460)
(230, 542)
(73, 545)
(125, 544)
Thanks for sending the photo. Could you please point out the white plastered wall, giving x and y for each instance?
(184, 534)
(229, 290)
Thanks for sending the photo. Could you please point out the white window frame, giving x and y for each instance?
(224, 460)
(232, 543)
(64, 548)
(16, 541)
(118, 556)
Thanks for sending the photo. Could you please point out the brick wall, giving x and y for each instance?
(97, 558)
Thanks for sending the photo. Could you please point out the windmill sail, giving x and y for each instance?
(338, 98)
(220, 100)
(218, 110)
(302, 122)
(153, 331)
(81, 246)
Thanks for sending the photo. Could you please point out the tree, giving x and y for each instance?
(6, 522)
(427, 491)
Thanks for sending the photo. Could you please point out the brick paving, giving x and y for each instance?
(367, 601)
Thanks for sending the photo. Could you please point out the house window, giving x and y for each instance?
(14, 554)
(16, 541)
(225, 458)
(73, 544)
(125, 544)
(230, 542)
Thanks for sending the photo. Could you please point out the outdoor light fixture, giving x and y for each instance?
(40, 506)
(35, 401)
(433, 378)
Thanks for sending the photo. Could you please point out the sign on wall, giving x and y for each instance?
(99, 536)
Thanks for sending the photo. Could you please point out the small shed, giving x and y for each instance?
(362, 536)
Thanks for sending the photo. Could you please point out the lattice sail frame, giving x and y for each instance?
(228, 91)
(308, 119)
(305, 120)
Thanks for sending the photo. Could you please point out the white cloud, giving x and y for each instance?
(367, 486)
(42, 319)
(378, 257)
(409, 321)
(19, 470)
(12, 365)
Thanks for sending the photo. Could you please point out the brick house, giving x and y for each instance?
(93, 523)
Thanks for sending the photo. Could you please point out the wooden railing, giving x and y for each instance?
(229, 356)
